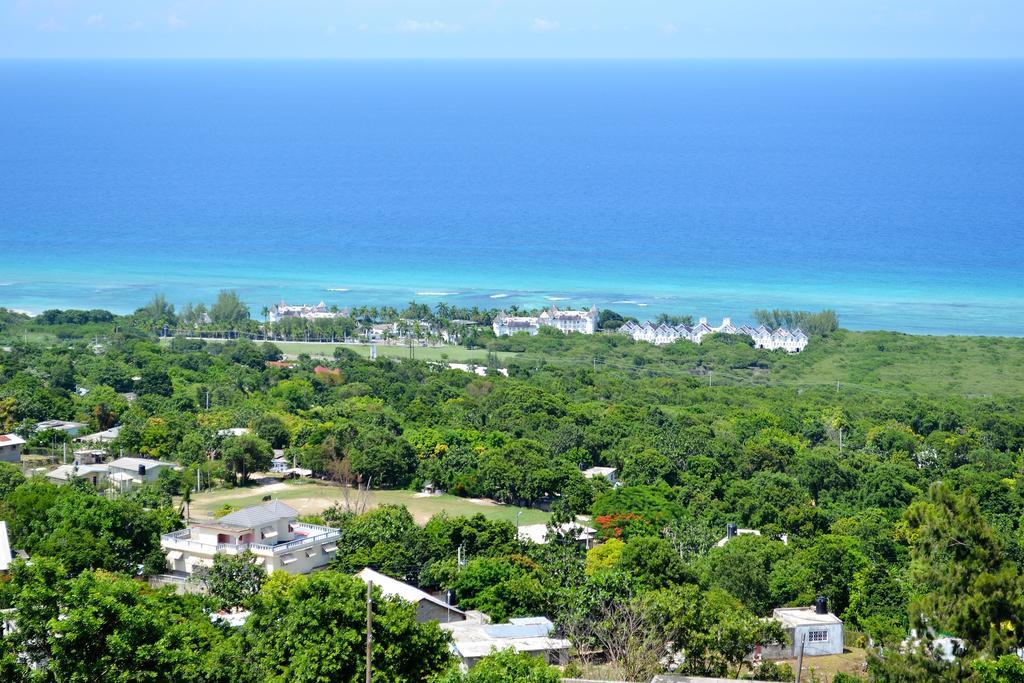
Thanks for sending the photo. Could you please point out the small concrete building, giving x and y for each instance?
(135, 471)
(90, 456)
(538, 533)
(606, 472)
(72, 429)
(820, 631)
(106, 436)
(476, 637)
(428, 608)
(94, 474)
(10, 447)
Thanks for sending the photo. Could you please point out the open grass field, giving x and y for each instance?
(311, 497)
(825, 668)
(971, 366)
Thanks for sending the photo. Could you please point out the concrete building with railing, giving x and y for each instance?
(270, 531)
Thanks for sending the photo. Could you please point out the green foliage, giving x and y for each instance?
(604, 557)
(306, 629)
(502, 587)
(816, 324)
(228, 309)
(233, 580)
(246, 454)
(969, 587)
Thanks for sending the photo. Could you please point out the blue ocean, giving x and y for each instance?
(891, 191)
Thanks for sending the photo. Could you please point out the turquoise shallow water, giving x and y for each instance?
(890, 191)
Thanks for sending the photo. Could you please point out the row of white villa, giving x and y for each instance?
(279, 312)
(764, 338)
(584, 322)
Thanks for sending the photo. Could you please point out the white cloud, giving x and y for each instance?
(363, 27)
(431, 26)
(543, 25)
(176, 22)
(133, 25)
(95, 21)
(330, 30)
(50, 26)
(669, 29)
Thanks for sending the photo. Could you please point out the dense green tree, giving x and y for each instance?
(246, 454)
(234, 579)
(313, 628)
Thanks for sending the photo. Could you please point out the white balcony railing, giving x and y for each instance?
(312, 535)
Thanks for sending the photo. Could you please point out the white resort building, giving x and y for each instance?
(659, 334)
(584, 322)
(280, 311)
(270, 531)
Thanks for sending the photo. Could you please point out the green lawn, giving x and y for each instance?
(312, 496)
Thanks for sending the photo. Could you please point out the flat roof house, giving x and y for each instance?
(477, 637)
(106, 436)
(10, 447)
(94, 474)
(538, 533)
(820, 631)
(606, 472)
(428, 608)
(270, 531)
(70, 428)
(136, 470)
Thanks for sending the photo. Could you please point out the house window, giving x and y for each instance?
(817, 636)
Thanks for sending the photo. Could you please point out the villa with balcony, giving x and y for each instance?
(270, 531)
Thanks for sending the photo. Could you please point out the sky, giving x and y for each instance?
(512, 29)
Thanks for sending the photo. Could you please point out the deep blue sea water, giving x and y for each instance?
(890, 191)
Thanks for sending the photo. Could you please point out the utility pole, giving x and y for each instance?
(710, 373)
(800, 659)
(369, 631)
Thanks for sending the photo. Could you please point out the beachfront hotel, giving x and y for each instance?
(764, 338)
(584, 322)
(281, 311)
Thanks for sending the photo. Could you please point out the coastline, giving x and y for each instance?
(972, 314)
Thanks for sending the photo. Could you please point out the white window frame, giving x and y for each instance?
(818, 635)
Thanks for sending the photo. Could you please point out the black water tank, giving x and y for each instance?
(730, 530)
(142, 470)
(821, 605)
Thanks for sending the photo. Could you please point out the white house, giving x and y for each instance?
(538, 533)
(820, 632)
(505, 324)
(234, 431)
(608, 473)
(10, 447)
(5, 550)
(106, 436)
(136, 470)
(584, 322)
(70, 428)
(94, 474)
(764, 338)
(270, 531)
(280, 311)
(476, 637)
(428, 608)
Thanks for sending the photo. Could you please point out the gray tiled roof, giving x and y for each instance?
(259, 515)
